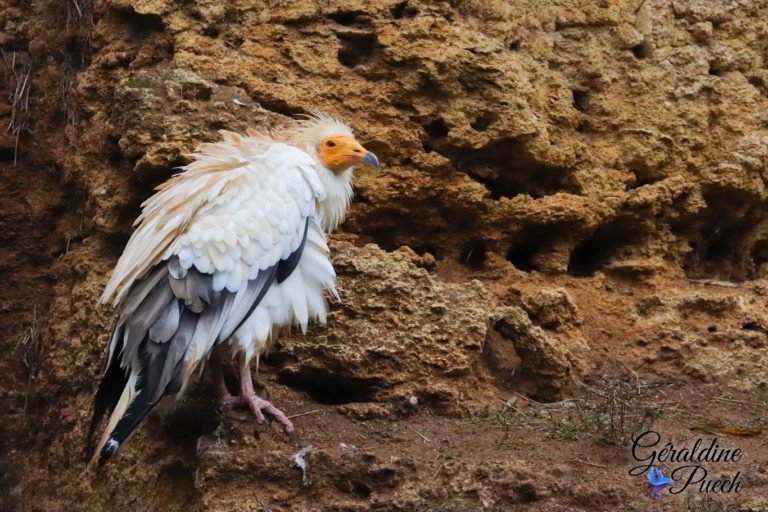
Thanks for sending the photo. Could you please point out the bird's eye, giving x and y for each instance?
(330, 144)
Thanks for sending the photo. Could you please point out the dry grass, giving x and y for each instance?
(612, 412)
(616, 409)
(79, 12)
(79, 26)
(18, 79)
(29, 345)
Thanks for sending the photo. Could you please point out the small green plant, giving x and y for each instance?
(519, 444)
(500, 416)
(639, 506)
(515, 444)
(447, 455)
(566, 429)
(134, 83)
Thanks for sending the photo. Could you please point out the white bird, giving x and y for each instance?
(224, 255)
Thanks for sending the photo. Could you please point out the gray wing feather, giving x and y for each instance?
(167, 323)
(139, 292)
(164, 369)
(193, 287)
(146, 315)
(175, 269)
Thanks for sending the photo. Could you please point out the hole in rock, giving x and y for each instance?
(721, 237)
(327, 387)
(514, 45)
(760, 252)
(507, 168)
(403, 10)
(482, 122)
(534, 247)
(361, 489)
(644, 177)
(580, 99)
(406, 219)
(473, 256)
(521, 256)
(141, 25)
(356, 48)
(605, 244)
(640, 51)
(280, 106)
(759, 84)
(213, 30)
(437, 129)
(346, 18)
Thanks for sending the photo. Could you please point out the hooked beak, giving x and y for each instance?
(371, 161)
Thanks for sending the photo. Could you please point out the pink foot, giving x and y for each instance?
(256, 404)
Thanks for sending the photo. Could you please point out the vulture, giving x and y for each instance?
(223, 256)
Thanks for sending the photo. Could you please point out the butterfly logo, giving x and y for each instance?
(658, 481)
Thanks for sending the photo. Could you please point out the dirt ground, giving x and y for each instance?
(567, 244)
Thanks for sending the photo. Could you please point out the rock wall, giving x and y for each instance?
(569, 188)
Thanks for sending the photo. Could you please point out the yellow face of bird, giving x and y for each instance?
(340, 152)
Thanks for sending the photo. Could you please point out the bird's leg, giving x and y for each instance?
(224, 397)
(257, 404)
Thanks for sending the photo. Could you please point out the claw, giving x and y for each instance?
(247, 397)
(257, 404)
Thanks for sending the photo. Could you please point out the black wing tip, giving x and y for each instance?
(286, 267)
(108, 450)
(110, 388)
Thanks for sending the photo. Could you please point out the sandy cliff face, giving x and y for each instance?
(571, 190)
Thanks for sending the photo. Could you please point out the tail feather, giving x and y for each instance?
(112, 385)
(127, 396)
(138, 408)
(130, 403)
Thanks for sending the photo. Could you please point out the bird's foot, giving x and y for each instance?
(256, 404)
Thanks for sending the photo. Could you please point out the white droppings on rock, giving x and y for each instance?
(301, 461)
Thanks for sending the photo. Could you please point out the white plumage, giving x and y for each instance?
(224, 254)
